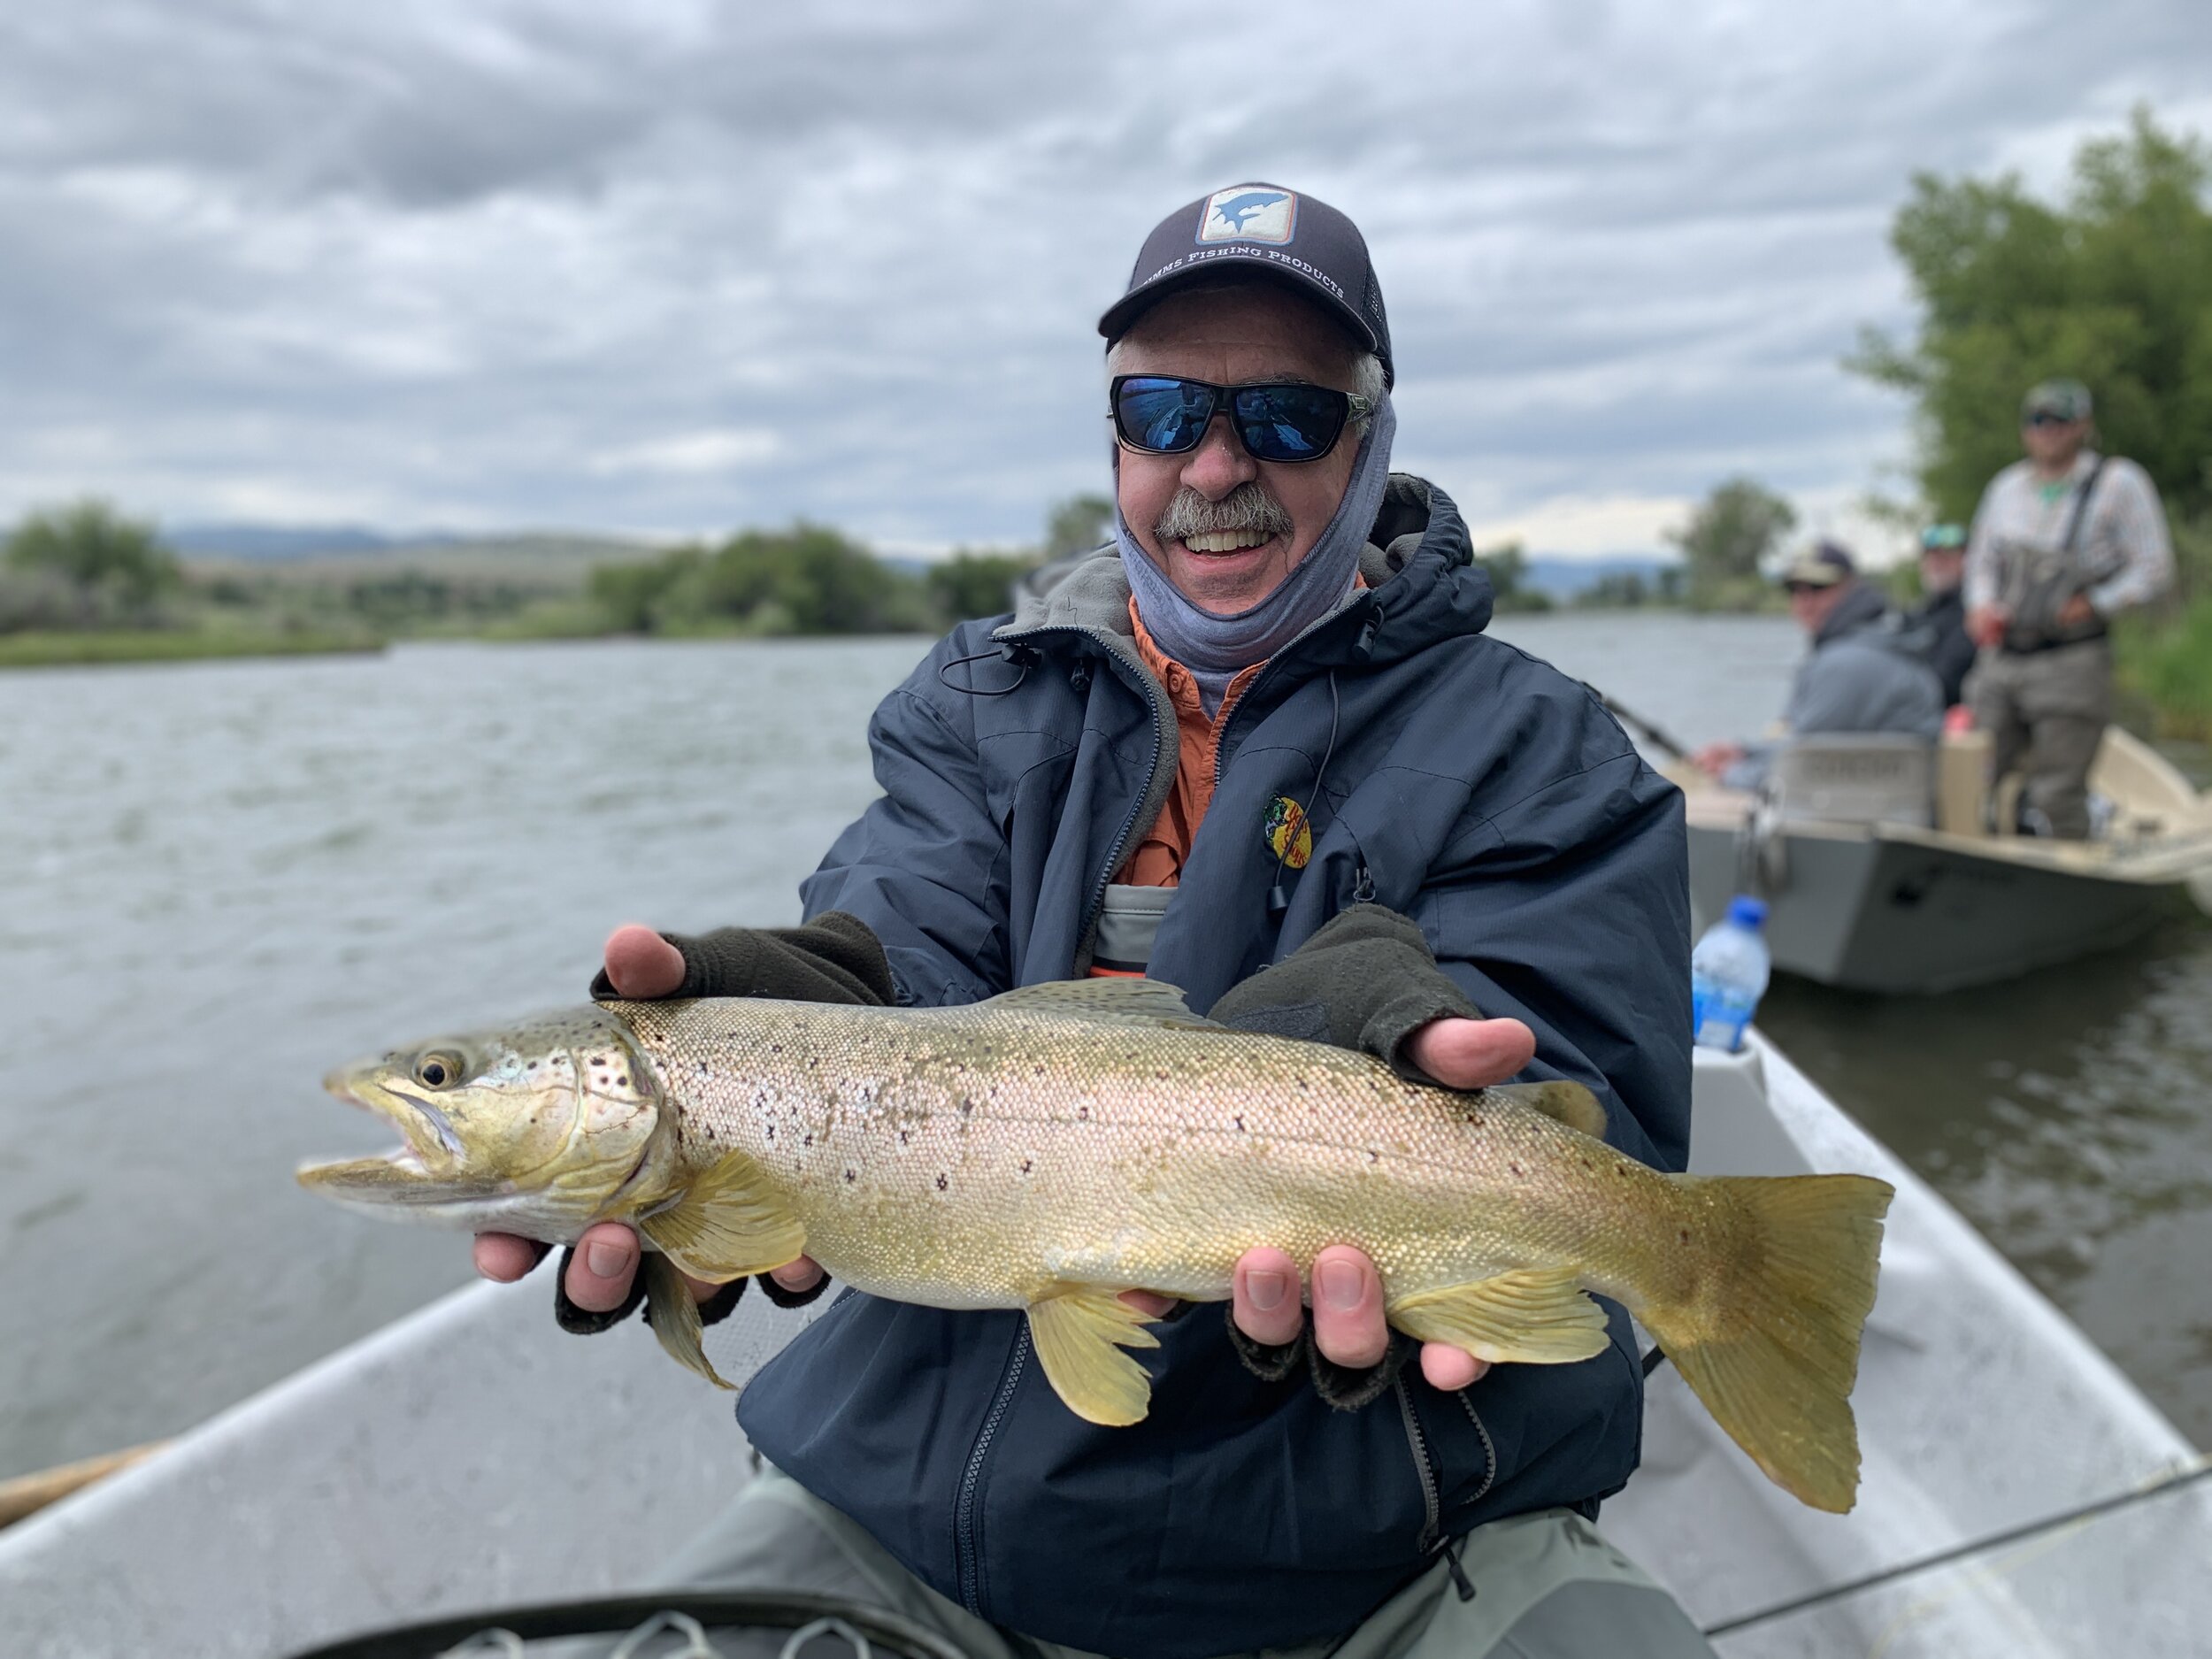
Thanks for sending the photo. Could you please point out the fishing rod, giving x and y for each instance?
(1643, 727)
(2172, 1482)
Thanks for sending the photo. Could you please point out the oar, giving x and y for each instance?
(27, 1495)
(1658, 734)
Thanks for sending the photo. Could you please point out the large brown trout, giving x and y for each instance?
(1055, 1145)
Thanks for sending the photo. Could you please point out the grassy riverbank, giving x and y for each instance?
(2168, 664)
(55, 650)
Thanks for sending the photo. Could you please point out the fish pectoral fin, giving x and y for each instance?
(1080, 1332)
(1566, 1102)
(1107, 1002)
(1531, 1316)
(729, 1224)
(674, 1317)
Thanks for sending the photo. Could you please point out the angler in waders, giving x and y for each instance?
(2062, 543)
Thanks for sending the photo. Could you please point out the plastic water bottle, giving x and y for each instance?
(1728, 975)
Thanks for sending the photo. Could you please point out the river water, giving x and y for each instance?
(222, 879)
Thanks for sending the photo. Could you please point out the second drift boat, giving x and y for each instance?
(1880, 874)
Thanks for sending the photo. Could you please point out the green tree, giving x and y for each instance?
(1507, 567)
(113, 569)
(1736, 527)
(1077, 526)
(976, 584)
(2111, 286)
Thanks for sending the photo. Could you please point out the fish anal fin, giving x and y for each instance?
(1114, 1002)
(1530, 1316)
(674, 1316)
(1080, 1332)
(1565, 1102)
(728, 1224)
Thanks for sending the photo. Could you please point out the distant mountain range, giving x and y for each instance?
(1563, 577)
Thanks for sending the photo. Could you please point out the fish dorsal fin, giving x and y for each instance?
(1570, 1103)
(1115, 1001)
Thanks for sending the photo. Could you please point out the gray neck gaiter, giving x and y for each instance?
(1217, 649)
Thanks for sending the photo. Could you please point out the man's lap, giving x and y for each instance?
(1546, 1586)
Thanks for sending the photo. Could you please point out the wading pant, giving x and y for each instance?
(1547, 1587)
(2045, 713)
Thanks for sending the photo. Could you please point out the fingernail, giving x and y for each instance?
(1342, 1284)
(1264, 1290)
(606, 1261)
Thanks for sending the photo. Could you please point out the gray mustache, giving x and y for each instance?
(1247, 507)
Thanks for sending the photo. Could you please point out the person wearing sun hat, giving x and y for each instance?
(2062, 541)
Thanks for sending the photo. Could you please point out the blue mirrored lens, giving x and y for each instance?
(1289, 423)
(1164, 416)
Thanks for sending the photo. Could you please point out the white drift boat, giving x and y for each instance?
(1872, 855)
(472, 1457)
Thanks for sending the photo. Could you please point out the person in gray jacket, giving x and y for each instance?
(1259, 748)
(1861, 675)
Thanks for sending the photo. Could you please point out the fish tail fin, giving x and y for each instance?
(1770, 1340)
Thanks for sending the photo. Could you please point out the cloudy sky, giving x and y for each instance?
(675, 266)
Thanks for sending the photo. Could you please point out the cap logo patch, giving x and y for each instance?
(1248, 212)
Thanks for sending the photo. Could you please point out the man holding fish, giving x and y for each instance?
(1260, 749)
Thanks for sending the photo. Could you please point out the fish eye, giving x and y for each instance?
(438, 1070)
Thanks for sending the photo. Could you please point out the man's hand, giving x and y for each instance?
(1716, 759)
(1348, 1326)
(1986, 625)
(2076, 611)
(642, 965)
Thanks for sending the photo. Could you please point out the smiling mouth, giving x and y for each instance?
(1226, 540)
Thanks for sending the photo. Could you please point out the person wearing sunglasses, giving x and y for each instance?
(2061, 542)
(1258, 747)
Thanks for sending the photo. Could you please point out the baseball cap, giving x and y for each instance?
(1823, 565)
(1297, 239)
(2061, 400)
(1943, 538)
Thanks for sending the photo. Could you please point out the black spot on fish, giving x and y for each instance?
(1686, 1235)
(623, 1081)
(1515, 1168)
(1083, 1114)
(1161, 1074)
(1025, 1167)
(1373, 1156)
(966, 1105)
(1240, 1122)
(940, 1183)
(849, 1175)
(809, 1140)
(773, 1048)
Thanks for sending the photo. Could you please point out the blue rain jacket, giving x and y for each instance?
(1471, 786)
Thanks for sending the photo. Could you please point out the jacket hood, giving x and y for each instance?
(1422, 583)
(1862, 607)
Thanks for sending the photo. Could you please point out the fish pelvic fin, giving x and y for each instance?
(1531, 1316)
(674, 1316)
(731, 1222)
(1771, 1345)
(1080, 1332)
(1568, 1103)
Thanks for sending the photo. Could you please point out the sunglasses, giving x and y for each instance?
(2044, 418)
(1160, 414)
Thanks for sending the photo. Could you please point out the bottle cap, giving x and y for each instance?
(1746, 911)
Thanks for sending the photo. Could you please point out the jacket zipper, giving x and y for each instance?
(1489, 1448)
(1432, 1507)
(968, 1558)
(1163, 729)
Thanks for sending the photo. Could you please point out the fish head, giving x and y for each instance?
(531, 1129)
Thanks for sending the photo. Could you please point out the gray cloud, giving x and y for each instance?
(684, 266)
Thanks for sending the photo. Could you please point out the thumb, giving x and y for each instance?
(1471, 1053)
(642, 965)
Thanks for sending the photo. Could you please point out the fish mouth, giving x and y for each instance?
(422, 1165)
